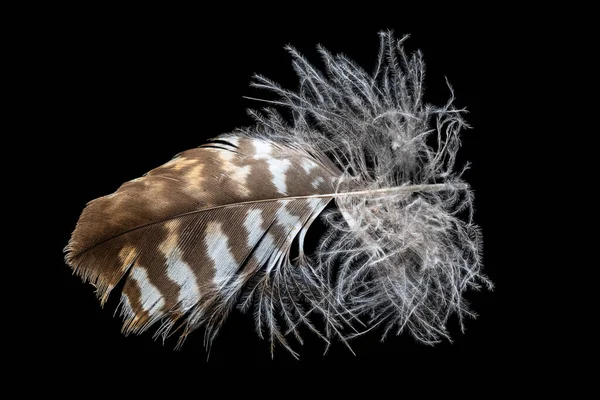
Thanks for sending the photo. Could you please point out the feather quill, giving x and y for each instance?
(213, 228)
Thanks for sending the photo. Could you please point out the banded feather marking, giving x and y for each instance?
(181, 273)
(308, 165)
(278, 169)
(218, 248)
(253, 224)
(236, 173)
(178, 270)
(277, 166)
(151, 298)
(190, 234)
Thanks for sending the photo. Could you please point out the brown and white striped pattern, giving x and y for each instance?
(191, 232)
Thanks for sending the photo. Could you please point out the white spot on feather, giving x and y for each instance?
(253, 225)
(236, 173)
(217, 245)
(150, 297)
(240, 175)
(291, 224)
(315, 202)
(317, 182)
(181, 273)
(278, 167)
(308, 165)
(287, 220)
(265, 250)
(262, 150)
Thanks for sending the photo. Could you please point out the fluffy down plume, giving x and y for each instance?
(213, 228)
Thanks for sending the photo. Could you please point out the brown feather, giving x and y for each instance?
(190, 234)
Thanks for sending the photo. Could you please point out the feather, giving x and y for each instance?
(213, 228)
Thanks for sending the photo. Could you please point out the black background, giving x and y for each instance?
(126, 91)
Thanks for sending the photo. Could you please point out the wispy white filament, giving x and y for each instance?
(400, 259)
